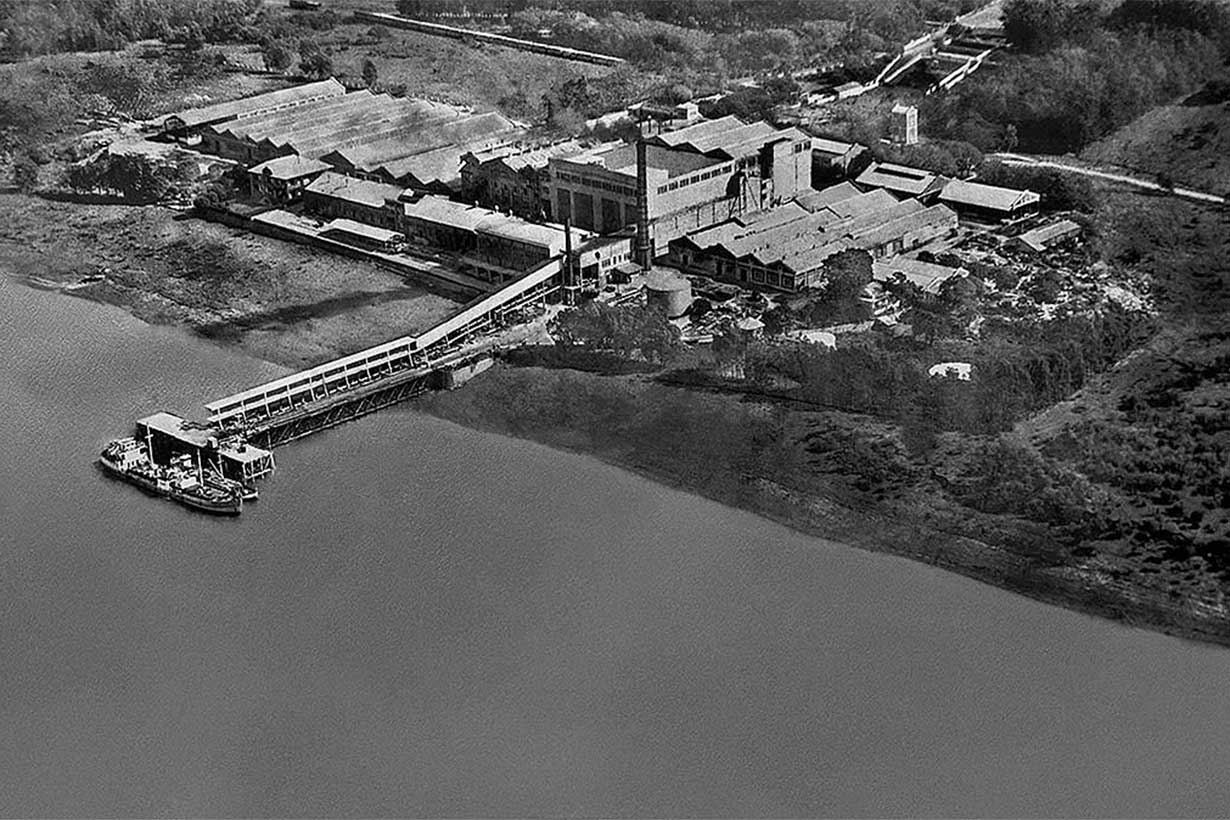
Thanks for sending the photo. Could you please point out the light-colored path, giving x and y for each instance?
(1187, 193)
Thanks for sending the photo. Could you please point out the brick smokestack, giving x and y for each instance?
(644, 244)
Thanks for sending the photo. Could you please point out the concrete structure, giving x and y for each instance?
(901, 180)
(987, 201)
(285, 178)
(695, 176)
(667, 291)
(336, 196)
(514, 178)
(903, 125)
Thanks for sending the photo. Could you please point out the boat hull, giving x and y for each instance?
(231, 505)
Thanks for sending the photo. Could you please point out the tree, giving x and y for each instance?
(370, 74)
(317, 65)
(846, 273)
(25, 173)
(276, 57)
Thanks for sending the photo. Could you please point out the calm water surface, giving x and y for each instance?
(419, 619)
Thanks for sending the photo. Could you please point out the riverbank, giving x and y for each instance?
(838, 476)
(808, 470)
(275, 300)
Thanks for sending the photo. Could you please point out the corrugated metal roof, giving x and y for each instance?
(466, 130)
(360, 229)
(814, 200)
(291, 166)
(991, 197)
(925, 275)
(1040, 238)
(862, 205)
(361, 191)
(935, 216)
(835, 147)
(912, 181)
(261, 102)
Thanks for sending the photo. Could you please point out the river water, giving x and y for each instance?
(416, 619)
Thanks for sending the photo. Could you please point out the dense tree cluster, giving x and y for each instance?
(1081, 72)
(626, 330)
(91, 25)
(133, 177)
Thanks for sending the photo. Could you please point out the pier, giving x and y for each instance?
(320, 397)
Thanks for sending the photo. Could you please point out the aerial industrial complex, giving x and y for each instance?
(470, 201)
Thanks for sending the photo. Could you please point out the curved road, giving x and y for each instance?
(1187, 193)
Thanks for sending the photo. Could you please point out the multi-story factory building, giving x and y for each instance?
(695, 177)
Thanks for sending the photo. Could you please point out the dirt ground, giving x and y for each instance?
(276, 300)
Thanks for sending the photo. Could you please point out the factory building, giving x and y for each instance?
(901, 180)
(695, 177)
(285, 178)
(425, 159)
(318, 127)
(514, 178)
(187, 125)
(336, 196)
(784, 249)
(833, 159)
(991, 202)
(497, 247)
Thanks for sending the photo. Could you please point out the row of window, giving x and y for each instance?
(601, 185)
(682, 183)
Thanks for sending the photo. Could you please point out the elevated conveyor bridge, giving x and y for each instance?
(293, 406)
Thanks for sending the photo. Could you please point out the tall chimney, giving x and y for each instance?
(569, 277)
(644, 244)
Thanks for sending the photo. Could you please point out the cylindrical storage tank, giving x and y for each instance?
(668, 291)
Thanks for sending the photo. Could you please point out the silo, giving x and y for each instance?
(667, 291)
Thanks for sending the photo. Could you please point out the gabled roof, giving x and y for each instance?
(872, 202)
(935, 216)
(727, 136)
(814, 200)
(437, 134)
(835, 148)
(247, 106)
(991, 197)
(925, 275)
(290, 167)
(900, 178)
(518, 230)
(1040, 238)
(620, 158)
(360, 191)
(443, 211)
(359, 229)
(516, 157)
